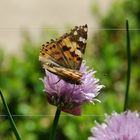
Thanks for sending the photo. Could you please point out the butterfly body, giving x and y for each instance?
(69, 75)
(63, 57)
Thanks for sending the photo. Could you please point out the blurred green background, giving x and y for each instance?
(106, 53)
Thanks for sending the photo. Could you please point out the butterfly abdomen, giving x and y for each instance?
(68, 75)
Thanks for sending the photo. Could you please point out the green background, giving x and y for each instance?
(105, 53)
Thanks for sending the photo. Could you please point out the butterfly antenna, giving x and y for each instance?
(57, 82)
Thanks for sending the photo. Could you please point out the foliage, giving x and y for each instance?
(111, 50)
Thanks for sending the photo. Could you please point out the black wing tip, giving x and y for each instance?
(85, 26)
(81, 26)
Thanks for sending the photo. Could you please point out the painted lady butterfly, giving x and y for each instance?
(63, 57)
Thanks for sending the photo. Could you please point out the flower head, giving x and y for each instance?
(124, 126)
(69, 97)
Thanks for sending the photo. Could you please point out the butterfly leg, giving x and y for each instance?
(57, 82)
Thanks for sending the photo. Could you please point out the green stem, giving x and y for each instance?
(128, 65)
(54, 126)
(10, 118)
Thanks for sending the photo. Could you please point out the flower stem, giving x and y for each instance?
(54, 126)
(10, 118)
(128, 66)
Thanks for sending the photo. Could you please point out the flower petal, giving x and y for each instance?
(74, 111)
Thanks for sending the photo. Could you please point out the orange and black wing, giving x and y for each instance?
(67, 51)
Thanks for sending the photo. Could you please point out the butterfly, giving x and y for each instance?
(63, 56)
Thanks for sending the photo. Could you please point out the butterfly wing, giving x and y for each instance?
(52, 54)
(69, 75)
(68, 50)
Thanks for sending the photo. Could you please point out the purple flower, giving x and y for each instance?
(69, 97)
(124, 126)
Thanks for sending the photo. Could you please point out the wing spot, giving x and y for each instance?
(78, 58)
(81, 39)
(78, 48)
(85, 29)
(75, 33)
(72, 54)
(65, 48)
(53, 46)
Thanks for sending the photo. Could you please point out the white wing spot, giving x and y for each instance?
(85, 29)
(82, 39)
(78, 28)
(75, 33)
(78, 53)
